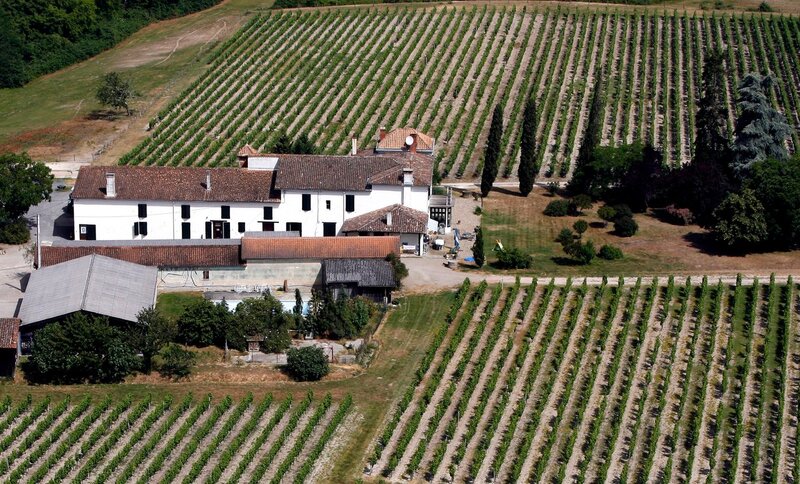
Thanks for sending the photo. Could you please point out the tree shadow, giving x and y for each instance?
(105, 115)
(508, 191)
(705, 243)
(565, 261)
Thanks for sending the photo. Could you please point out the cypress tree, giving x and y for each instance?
(477, 248)
(591, 140)
(761, 131)
(711, 142)
(527, 149)
(491, 159)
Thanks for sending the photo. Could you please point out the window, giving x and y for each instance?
(206, 275)
(226, 212)
(241, 227)
(328, 204)
(294, 227)
(268, 226)
(186, 230)
(267, 213)
(185, 211)
(329, 229)
(142, 210)
(306, 202)
(349, 203)
(139, 228)
(87, 232)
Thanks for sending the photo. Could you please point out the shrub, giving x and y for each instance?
(15, 232)
(609, 252)
(175, 361)
(557, 208)
(679, 216)
(765, 7)
(584, 252)
(514, 259)
(607, 213)
(399, 268)
(579, 203)
(625, 226)
(203, 323)
(565, 236)
(552, 188)
(307, 364)
(622, 210)
(580, 226)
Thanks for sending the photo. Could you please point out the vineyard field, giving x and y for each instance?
(147, 440)
(343, 72)
(656, 380)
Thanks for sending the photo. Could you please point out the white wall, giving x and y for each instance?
(114, 219)
(297, 273)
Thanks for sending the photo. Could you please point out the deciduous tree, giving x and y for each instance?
(23, 184)
(115, 91)
(740, 221)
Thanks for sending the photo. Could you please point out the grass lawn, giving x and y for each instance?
(172, 304)
(658, 247)
(403, 337)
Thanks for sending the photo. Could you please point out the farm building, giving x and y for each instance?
(370, 278)
(311, 195)
(92, 283)
(9, 346)
(404, 140)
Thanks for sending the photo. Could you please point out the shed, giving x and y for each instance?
(94, 284)
(9, 342)
(371, 278)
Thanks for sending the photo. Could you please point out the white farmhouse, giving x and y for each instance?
(310, 195)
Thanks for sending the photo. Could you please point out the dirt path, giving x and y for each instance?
(310, 443)
(288, 444)
(592, 408)
(708, 423)
(788, 443)
(673, 393)
(612, 79)
(750, 410)
(249, 442)
(540, 347)
(451, 364)
(626, 440)
(462, 381)
(566, 369)
(636, 83)
(459, 435)
(616, 134)
(235, 433)
(205, 442)
(16, 445)
(517, 390)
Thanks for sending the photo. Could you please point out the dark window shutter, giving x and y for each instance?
(350, 203)
(226, 230)
(226, 211)
(186, 230)
(185, 211)
(142, 210)
(143, 228)
(135, 228)
(267, 213)
(208, 230)
(241, 227)
(306, 202)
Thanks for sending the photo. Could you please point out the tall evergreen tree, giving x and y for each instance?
(527, 149)
(477, 248)
(491, 159)
(591, 140)
(761, 131)
(711, 142)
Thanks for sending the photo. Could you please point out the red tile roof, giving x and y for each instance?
(162, 256)
(9, 333)
(396, 140)
(177, 184)
(319, 247)
(404, 221)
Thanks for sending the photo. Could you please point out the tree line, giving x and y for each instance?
(42, 36)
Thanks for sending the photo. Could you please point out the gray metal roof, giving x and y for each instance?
(93, 283)
(362, 272)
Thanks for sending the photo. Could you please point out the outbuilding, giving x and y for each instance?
(9, 344)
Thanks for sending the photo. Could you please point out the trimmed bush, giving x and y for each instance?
(607, 213)
(514, 259)
(176, 361)
(307, 364)
(610, 252)
(625, 226)
(557, 208)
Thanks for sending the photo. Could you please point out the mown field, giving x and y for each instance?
(194, 439)
(340, 72)
(660, 380)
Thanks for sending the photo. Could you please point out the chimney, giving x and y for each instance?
(208, 180)
(111, 185)
(353, 145)
(388, 219)
(408, 176)
(381, 134)
(413, 147)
